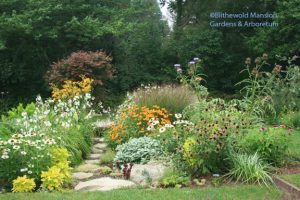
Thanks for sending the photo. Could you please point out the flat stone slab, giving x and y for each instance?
(100, 146)
(95, 156)
(88, 168)
(96, 150)
(92, 161)
(82, 175)
(103, 184)
(103, 124)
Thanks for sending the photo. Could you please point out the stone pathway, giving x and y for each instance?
(88, 177)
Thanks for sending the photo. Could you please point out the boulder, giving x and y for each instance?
(142, 174)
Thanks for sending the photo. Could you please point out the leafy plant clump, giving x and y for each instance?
(250, 169)
(173, 178)
(138, 150)
(271, 144)
(107, 157)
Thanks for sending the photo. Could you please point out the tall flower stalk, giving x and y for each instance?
(193, 78)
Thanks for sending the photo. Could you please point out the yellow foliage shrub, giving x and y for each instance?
(23, 184)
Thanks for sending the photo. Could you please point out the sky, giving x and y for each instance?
(166, 14)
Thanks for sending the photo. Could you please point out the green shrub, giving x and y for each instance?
(173, 178)
(173, 98)
(271, 144)
(138, 150)
(249, 169)
(107, 157)
(291, 119)
(106, 170)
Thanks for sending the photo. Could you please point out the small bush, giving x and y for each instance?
(52, 179)
(95, 65)
(23, 184)
(138, 150)
(107, 157)
(250, 169)
(173, 98)
(106, 170)
(271, 144)
(291, 119)
(173, 178)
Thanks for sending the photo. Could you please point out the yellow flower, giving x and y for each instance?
(71, 89)
(188, 151)
(23, 184)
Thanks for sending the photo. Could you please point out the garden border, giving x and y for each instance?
(293, 190)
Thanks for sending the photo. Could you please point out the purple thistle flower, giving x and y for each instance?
(196, 59)
(192, 62)
(177, 66)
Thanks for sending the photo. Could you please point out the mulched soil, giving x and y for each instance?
(290, 169)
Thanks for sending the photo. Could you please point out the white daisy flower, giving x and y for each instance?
(169, 126)
(162, 129)
(5, 156)
(149, 128)
(24, 170)
(178, 116)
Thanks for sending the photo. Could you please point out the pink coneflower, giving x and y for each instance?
(263, 129)
(178, 68)
(275, 126)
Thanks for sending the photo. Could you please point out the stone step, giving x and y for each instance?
(82, 175)
(97, 151)
(103, 124)
(103, 184)
(95, 156)
(92, 161)
(92, 168)
(100, 146)
(98, 140)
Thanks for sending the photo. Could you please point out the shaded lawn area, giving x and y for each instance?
(293, 179)
(226, 192)
(295, 144)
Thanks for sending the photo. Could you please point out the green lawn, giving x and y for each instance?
(234, 192)
(295, 144)
(292, 178)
